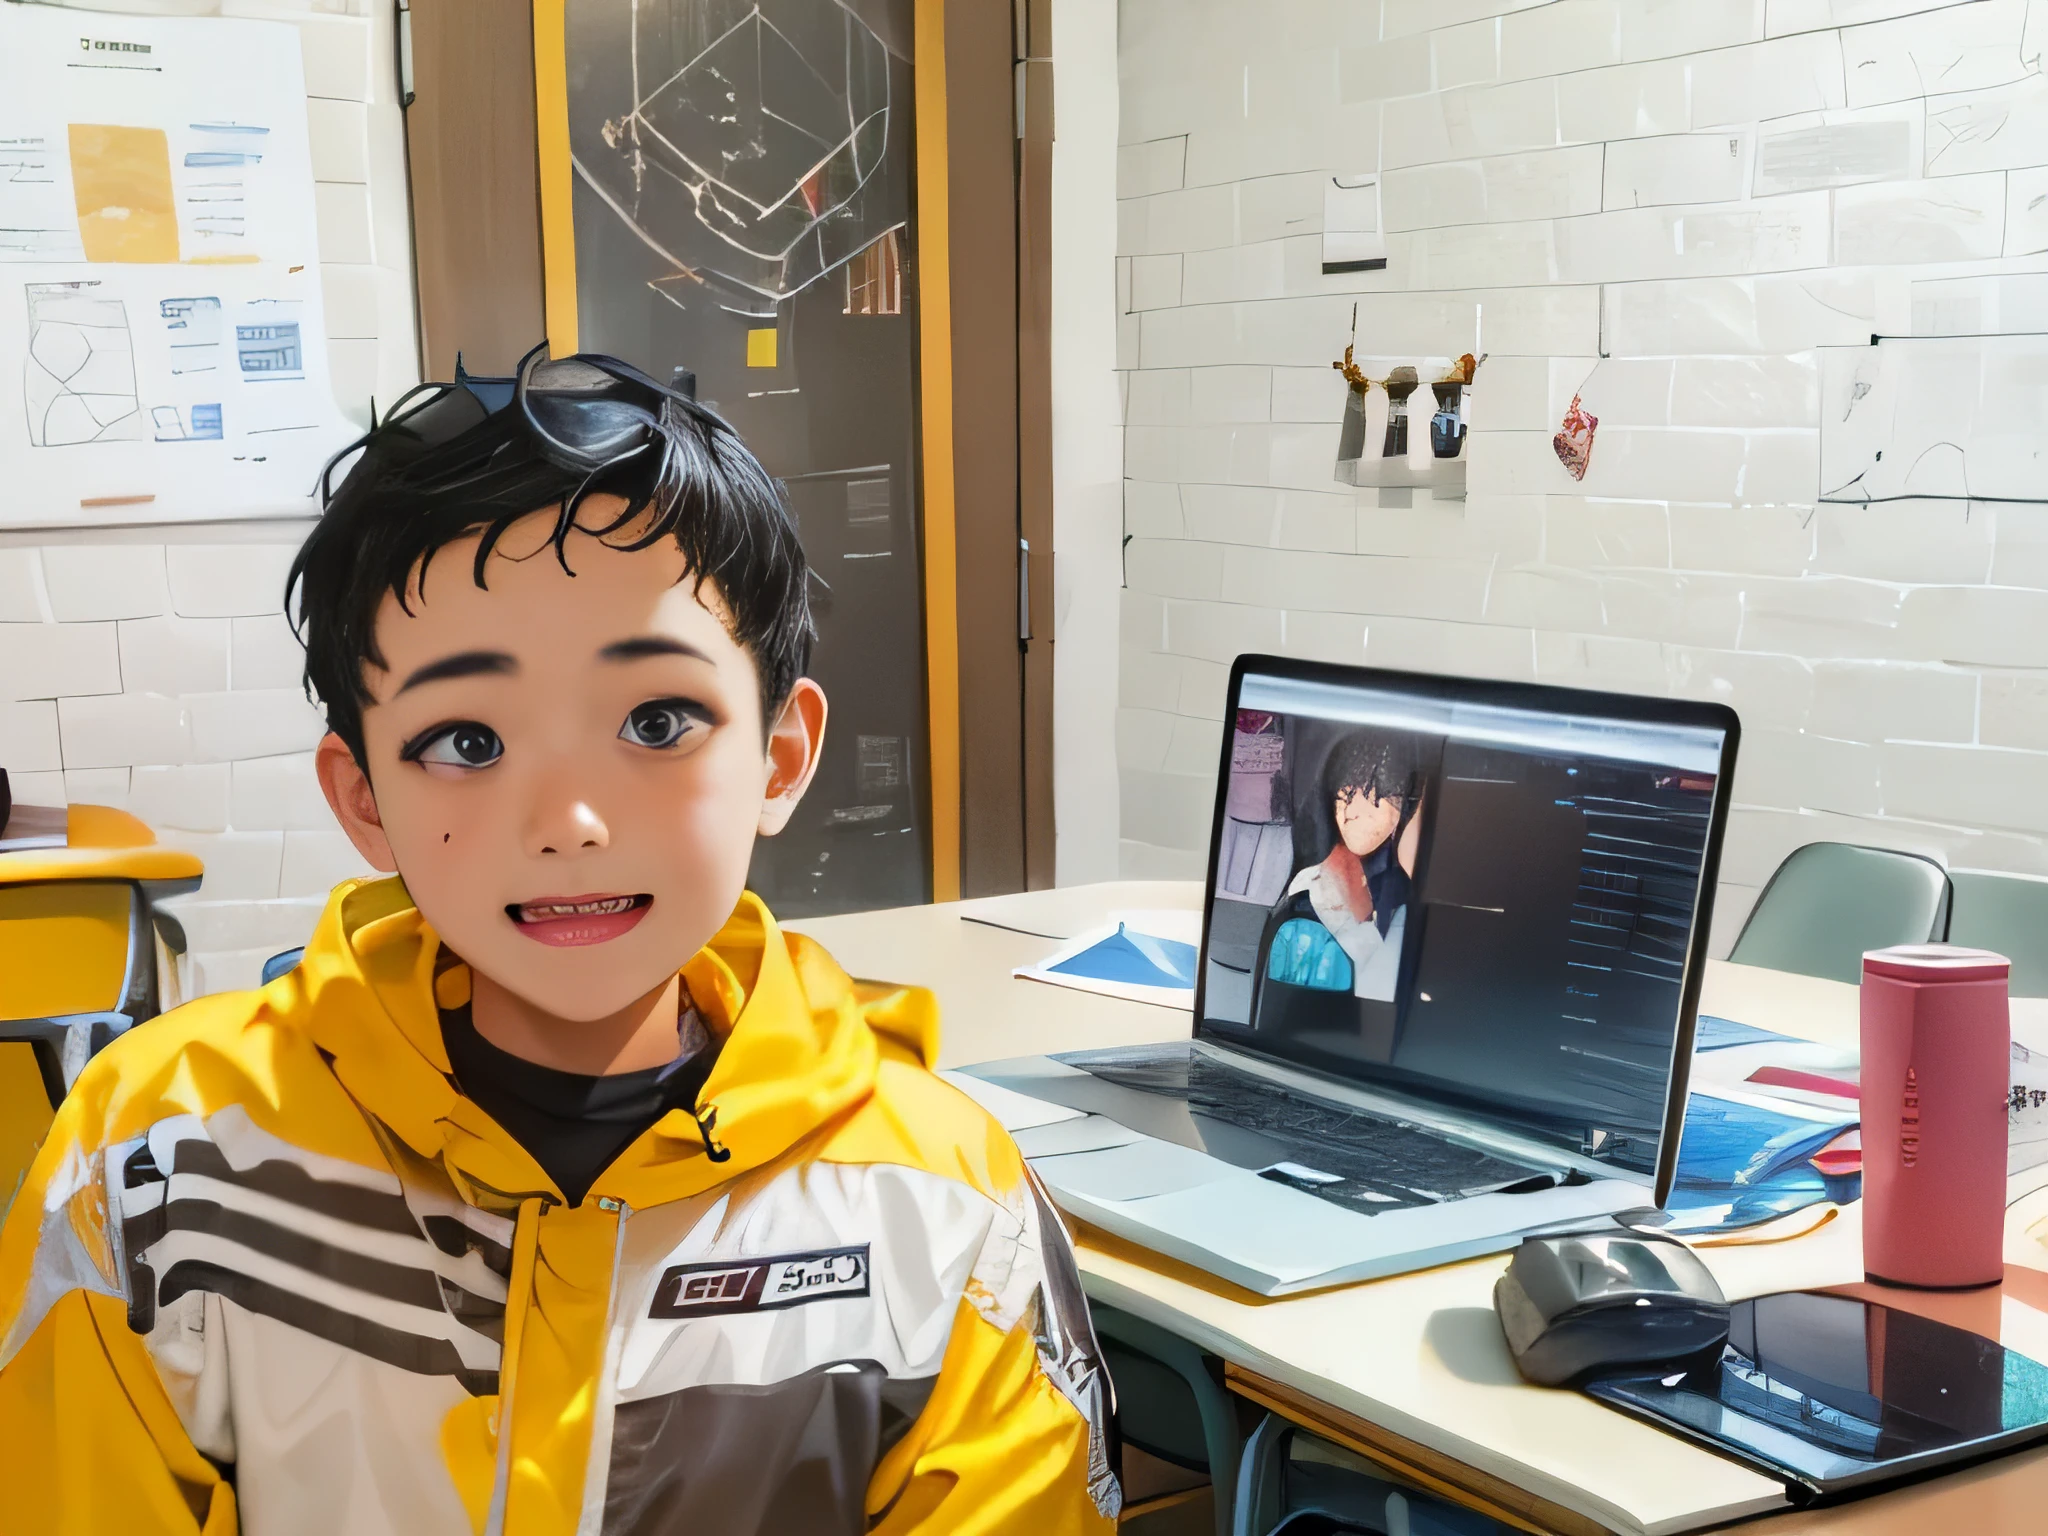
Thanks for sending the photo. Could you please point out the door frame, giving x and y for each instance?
(470, 148)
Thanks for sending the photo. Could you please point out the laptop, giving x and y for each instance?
(1452, 942)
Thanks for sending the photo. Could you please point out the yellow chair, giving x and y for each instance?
(84, 953)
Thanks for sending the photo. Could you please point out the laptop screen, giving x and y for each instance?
(1490, 894)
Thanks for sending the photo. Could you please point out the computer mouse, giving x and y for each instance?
(1600, 1303)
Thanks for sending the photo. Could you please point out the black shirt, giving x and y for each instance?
(574, 1126)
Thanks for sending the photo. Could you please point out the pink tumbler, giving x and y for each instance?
(1937, 1065)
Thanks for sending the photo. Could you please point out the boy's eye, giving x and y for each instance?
(464, 745)
(661, 723)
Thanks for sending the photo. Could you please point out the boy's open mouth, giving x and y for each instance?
(568, 920)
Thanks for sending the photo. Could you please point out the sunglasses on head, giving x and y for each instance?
(586, 412)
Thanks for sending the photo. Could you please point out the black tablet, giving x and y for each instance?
(1834, 1395)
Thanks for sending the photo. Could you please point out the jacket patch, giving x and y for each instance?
(760, 1285)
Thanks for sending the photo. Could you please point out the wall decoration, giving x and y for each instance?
(747, 143)
(1574, 440)
(1934, 417)
(1395, 435)
(162, 351)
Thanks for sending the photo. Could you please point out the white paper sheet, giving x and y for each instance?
(163, 353)
(1948, 417)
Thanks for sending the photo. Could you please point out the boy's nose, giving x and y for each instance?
(567, 826)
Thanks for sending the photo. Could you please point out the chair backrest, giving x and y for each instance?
(1170, 1402)
(1829, 902)
(67, 946)
(25, 1113)
(1157, 1409)
(1293, 1483)
(77, 967)
(72, 952)
(2006, 913)
(84, 952)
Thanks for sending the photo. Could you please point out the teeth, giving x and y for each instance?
(543, 911)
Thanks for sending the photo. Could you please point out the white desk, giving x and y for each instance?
(1419, 1358)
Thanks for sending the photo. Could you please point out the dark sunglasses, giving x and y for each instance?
(586, 412)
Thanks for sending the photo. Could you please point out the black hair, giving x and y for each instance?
(1387, 764)
(409, 496)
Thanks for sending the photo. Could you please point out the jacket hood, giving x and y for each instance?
(801, 1044)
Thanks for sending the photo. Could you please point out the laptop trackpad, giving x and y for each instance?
(1133, 1172)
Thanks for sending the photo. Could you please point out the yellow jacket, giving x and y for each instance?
(272, 1272)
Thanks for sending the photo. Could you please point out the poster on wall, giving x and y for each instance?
(1934, 417)
(163, 353)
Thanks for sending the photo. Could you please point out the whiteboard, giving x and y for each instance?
(1942, 417)
(163, 351)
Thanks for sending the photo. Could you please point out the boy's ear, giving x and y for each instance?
(347, 789)
(794, 741)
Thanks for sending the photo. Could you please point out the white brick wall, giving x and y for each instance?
(151, 668)
(1668, 204)
(196, 723)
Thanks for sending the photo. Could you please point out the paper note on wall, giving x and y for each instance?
(1934, 418)
(162, 345)
(1352, 240)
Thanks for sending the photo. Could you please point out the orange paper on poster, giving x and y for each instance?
(121, 181)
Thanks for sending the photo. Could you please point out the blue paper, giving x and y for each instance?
(1133, 959)
(1715, 1034)
(1755, 1162)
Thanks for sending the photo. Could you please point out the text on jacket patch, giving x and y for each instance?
(760, 1285)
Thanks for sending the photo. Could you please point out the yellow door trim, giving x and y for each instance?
(935, 380)
(557, 175)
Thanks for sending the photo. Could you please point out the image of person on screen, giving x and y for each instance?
(1356, 841)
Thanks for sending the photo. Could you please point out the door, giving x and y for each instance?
(741, 195)
(772, 245)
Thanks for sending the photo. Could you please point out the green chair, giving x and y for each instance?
(1829, 902)
(2008, 913)
(1293, 1483)
(1170, 1401)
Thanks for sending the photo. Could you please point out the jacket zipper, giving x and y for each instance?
(596, 1471)
(518, 1299)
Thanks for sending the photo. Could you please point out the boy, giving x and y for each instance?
(556, 1189)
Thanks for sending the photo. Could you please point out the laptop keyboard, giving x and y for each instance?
(1355, 1158)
